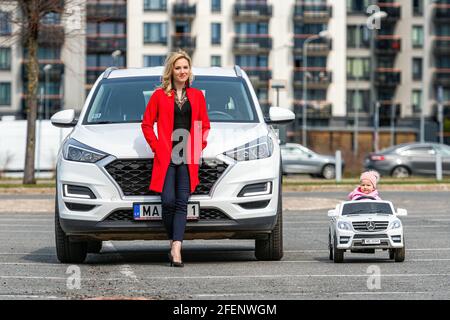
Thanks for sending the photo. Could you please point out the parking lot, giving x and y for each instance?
(227, 269)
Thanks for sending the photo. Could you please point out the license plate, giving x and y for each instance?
(153, 211)
(371, 241)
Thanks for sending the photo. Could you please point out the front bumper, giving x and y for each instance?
(239, 222)
(350, 240)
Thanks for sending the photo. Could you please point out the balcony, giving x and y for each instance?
(259, 43)
(106, 12)
(388, 44)
(392, 9)
(317, 77)
(441, 45)
(259, 76)
(54, 74)
(252, 11)
(386, 77)
(441, 12)
(184, 11)
(442, 77)
(317, 47)
(316, 109)
(106, 44)
(183, 41)
(387, 108)
(312, 13)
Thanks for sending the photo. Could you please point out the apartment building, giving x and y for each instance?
(61, 57)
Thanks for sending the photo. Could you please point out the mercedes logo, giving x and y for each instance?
(370, 225)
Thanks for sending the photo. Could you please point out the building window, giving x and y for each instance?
(216, 5)
(5, 94)
(244, 28)
(252, 61)
(155, 33)
(417, 69)
(154, 61)
(359, 100)
(417, 37)
(358, 37)
(52, 18)
(416, 101)
(155, 5)
(5, 23)
(216, 61)
(358, 6)
(5, 58)
(216, 33)
(358, 68)
(417, 7)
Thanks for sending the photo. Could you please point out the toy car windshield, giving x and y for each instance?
(366, 208)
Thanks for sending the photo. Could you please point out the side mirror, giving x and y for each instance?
(280, 116)
(332, 213)
(64, 119)
(402, 212)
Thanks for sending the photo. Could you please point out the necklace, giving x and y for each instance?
(180, 101)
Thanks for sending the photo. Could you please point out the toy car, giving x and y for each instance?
(364, 226)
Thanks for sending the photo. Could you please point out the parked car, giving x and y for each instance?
(104, 167)
(364, 226)
(299, 159)
(404, 160)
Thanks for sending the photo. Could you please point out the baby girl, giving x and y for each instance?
(367, 186)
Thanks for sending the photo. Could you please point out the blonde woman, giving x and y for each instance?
(183, 125)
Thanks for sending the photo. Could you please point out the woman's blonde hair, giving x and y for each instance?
(167, 81)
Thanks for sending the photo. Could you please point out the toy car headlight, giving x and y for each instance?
(344, 225)
(77, 151)
(396, 224)
(257, 149)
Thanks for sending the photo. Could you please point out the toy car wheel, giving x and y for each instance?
(399, 254)
(391, 254)
(330, 247)
(338, 254)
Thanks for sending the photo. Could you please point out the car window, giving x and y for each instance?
(443, 149)
(418, 151)
(366, 208)
(125, 100)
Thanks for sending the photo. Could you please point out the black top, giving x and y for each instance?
(182, 120)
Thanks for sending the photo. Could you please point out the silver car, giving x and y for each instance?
(299, 159)
(403, 160)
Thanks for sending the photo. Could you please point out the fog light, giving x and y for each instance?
(397, 238)
(344, 240)
(78, 192)
(256, 189)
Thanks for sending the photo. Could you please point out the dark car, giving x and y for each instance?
(403, 160)
(298, 159)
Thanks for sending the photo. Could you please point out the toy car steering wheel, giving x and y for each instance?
(366, 197)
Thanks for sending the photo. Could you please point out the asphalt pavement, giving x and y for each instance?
(227, 269)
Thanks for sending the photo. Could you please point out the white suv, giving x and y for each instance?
(104, 167)
(364, 226)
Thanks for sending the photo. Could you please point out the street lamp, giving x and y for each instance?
(322, 35)
(47, 68)
(115, 55)
(376, 16)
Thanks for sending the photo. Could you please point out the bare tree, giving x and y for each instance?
(27, 17)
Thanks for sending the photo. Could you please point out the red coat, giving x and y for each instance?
(160, 109)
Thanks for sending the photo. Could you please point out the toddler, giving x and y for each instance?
(367, 186)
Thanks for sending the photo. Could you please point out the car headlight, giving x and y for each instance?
(257, 149)
(77, 151)
(396, 224)
(344, 225)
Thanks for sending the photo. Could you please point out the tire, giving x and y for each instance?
(329, 171)
(400, 172)
(391, 254)
(330, 247)
(338, 254)
(271, 249)
(94, 246)
(66, 250)
(399, 254)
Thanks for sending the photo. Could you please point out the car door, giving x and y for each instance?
(421, 159)
(294, 160)
(444, 151)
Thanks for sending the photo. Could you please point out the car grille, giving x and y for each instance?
(205, 214)
(370, 236)
(133, 176)
(363, 226)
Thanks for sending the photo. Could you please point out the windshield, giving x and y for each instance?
(124, 100)
(366, 208)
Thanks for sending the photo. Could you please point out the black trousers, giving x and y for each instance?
(174, 199)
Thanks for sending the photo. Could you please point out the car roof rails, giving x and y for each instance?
(238, 71)
(108, 72)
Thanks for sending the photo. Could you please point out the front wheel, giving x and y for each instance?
(338, 254)
(399, 254)
(329, 172)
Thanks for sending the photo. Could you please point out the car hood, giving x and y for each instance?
(367, 217)
(127, 140)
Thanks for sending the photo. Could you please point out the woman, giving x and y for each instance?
(183, 125)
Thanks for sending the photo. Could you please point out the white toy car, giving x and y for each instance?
(364, 226)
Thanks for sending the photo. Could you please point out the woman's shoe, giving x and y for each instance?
(174, 263)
